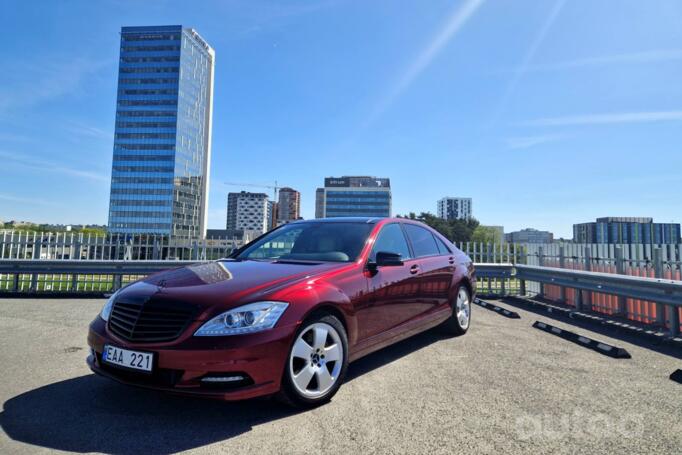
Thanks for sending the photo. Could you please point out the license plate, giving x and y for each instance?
(125, 358)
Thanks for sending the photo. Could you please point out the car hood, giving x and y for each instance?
(227, 283)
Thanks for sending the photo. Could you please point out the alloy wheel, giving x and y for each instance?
(463, 308)
(316, 360)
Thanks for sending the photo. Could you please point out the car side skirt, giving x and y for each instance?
(400, 332)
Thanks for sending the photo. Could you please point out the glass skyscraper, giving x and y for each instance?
(162, 142)
(353, 196)
(627, 230)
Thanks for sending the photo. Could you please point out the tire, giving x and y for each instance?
(460, 321)
(310, 378)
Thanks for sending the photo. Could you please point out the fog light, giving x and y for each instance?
(222, 379)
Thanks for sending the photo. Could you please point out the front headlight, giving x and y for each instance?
(106, 310)
(250, 318)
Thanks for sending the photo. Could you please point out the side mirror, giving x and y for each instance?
(386, 259)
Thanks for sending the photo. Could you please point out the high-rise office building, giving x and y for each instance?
(162, 141)
(288, 206)
(249, 212)
(353, 196)
(627, 230)
(454, 208)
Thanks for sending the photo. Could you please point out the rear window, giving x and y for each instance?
(442, 247)
(422, 241)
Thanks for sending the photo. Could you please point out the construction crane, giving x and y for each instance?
(275, 188)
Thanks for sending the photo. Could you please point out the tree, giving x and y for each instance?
(485, 234)
(453, 230)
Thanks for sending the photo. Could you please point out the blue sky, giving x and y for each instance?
(545, 112)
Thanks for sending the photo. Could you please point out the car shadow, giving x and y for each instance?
(93, 414)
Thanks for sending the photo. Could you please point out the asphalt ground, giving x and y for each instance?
(504, 387)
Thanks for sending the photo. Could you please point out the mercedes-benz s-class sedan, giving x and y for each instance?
(285, 314)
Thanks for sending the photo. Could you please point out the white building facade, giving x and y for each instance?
(455, 208)
(248, 212)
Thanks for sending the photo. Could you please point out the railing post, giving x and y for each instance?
(118, 279)
(674, 321)
(658, 273)
(195, 251)
(541, 263)
(562, 265)
(34, 282)
(587, 298)
(15, 282)
(37, 246)
(620, 269)
(156, 251)
(76, 250)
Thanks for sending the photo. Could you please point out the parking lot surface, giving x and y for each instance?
(505, 387)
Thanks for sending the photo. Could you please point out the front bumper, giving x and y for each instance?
(179, 366)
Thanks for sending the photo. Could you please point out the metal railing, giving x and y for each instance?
(36, 276)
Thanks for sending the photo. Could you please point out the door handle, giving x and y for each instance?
(414, 269)
(451, 260)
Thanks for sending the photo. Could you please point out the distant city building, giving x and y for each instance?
(288, 205)
(455, 208)
(319, 203)
(162, 140)
(529, 235)
(353, 196)
(230, 238)
(273, 208)
(248, 211)
(626, 230)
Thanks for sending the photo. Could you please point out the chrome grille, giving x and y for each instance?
(150, 320)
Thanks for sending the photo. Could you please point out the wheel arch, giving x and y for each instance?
(330, 309)
(466, 282)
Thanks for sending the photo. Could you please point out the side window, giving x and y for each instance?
(422, 240)
(391, 240)
(442, 247)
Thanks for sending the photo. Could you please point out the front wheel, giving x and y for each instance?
(459, 322)
(316, 364)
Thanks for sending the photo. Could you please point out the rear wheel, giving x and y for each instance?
(317, 362)
(459, 322)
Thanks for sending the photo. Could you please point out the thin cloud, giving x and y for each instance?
(47, 166)
(264, 15)
(29, 84)
(81, 129)
(25, 200)
(528, 58)
(455, 23)
(608, 119)
(517, 143)
(656, 55)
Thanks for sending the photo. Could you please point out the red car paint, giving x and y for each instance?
(377, 309)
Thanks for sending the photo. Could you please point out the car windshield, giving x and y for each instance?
(327, 242)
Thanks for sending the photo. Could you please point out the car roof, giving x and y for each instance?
(345, 219)
(361, 219)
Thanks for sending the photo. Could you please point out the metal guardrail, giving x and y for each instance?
(75, 269)
(28, 266)
(661, 291)
(668, 292)
(499, 271)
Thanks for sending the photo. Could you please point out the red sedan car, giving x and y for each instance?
(286, 313)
